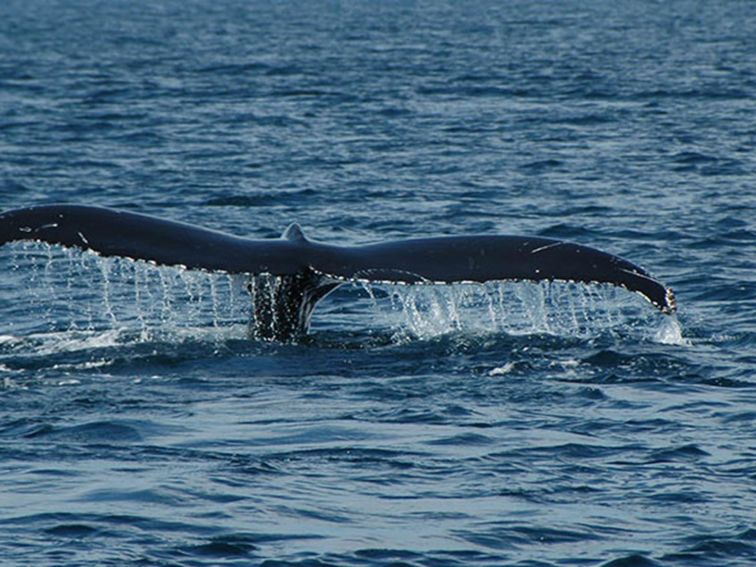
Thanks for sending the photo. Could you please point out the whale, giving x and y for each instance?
(291, 274)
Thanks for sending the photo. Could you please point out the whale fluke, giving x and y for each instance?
(306, 271)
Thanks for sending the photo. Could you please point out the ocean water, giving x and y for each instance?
(505, 424)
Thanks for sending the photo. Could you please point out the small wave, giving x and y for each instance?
(94, 432)
(71, 531)
(222, 547)
(716, 549)
(693, 158)
(504, 535)
(262, 199)
(685, 453)
(634, 560)
(540, 166)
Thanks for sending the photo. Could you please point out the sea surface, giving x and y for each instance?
(504, 424)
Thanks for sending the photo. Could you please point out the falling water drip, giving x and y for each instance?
(266, 292)
(70, 290)
(556, 308)
(105, 268)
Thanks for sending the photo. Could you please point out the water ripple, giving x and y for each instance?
(493, 425)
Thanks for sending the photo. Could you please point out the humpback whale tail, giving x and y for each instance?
(291, 274)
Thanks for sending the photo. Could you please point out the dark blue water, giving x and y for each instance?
(139, 424)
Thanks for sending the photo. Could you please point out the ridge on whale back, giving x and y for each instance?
(307, 270)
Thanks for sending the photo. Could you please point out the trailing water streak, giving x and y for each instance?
(307, 271)
(518, 308)
(72, 290)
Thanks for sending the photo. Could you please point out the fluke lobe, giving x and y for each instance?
(306, 271)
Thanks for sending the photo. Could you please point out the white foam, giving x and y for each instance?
(670, 332)
(501, 370)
